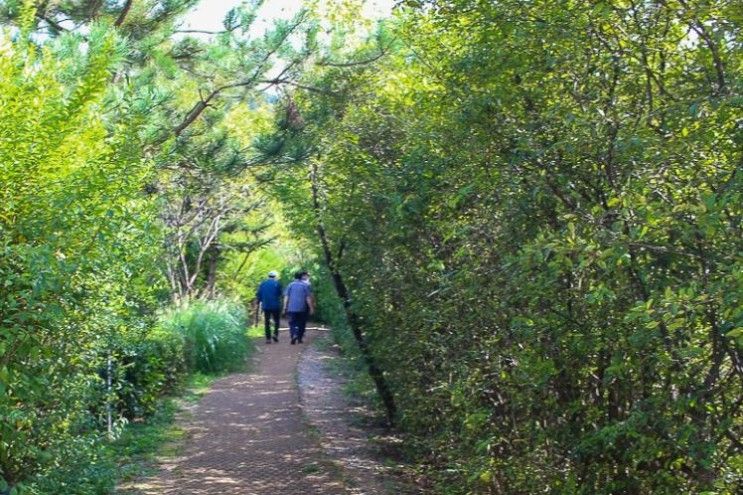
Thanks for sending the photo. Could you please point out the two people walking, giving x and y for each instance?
(298, 304)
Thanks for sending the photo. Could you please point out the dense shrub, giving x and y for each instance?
(203, 336)
(536, 208)
(144, 366)
(75, 236)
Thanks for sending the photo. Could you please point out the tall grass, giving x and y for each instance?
(214, 334)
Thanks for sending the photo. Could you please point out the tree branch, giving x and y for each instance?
(313, 89)
(203, 31)
(327, 63)
(124, 12)
(52, 23)
(200, 106)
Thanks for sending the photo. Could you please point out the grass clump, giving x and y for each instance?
(213, 333)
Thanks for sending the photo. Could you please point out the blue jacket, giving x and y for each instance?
(296, 294)
(269, 295)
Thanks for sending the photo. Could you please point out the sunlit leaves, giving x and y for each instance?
(76, 237)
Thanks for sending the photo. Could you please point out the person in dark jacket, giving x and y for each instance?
(268, 296)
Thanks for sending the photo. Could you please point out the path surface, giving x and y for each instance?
(248, 436)
(350, 432)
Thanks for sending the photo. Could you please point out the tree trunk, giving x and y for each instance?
(211, 279)
(354, 321)
(375, 371)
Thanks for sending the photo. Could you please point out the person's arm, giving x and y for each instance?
(286, 298)
(310, 301)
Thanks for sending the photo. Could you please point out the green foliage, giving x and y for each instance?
(146, 367)
(81, 250)
(104, 134)
(206, 337)
(75, 236)
(131, 455)
(536, 207)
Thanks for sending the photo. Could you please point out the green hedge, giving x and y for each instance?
(208, 337)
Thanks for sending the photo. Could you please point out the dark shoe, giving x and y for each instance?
(275, 338)
(300, 341)
(294, 341)
(268, 341)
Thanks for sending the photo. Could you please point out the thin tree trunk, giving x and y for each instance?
(354, 321)
(211, 279)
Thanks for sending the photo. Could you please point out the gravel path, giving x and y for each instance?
(248, 436)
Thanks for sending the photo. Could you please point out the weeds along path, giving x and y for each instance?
(248, 436)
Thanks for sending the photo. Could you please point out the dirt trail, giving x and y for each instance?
(248, 436)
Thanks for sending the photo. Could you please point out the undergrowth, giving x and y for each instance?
(173, 364)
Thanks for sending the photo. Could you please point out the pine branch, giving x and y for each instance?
(124, 12)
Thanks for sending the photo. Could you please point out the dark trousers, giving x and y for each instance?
(297, 324)
(268, 315)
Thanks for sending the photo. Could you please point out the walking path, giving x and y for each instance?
(248, 436)
(350, 432)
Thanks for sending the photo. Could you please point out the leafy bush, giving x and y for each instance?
(539, 225)
(146, 368)
(75, 237)
(203, 336)
(213, 335)
(144, 365)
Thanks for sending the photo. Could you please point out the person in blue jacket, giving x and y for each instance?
(299, 302)
(268, 296)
